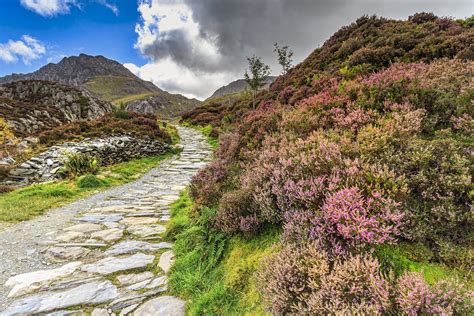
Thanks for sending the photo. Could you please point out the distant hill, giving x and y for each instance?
(238, 86)
(104, 78)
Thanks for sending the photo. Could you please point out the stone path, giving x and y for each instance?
(103, 255)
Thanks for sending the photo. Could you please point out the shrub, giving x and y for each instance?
(303, 281)
(77, 164)
(6, 188)
(89, 181)
(237, 212)
(414, 297)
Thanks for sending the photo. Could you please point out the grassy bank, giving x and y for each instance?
(22, 204)
(215, 274)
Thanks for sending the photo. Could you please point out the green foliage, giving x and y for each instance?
(89, 181)
(214, 273)
(208, 131)
(285, 57)
(258, 72)
(77, 164)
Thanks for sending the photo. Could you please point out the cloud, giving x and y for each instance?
(211, 38)
(49, 8)
(27, 48)
(111, 6)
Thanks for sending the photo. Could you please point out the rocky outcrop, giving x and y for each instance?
(160, 104)
(238, 86)
(46, 166)
(31, 106)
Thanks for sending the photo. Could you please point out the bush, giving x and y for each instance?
(77, 164)
(415, 297)
(6, 188)
(89, 181)
(237, 212)
(303, 281)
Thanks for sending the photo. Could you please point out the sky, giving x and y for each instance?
(190, 47)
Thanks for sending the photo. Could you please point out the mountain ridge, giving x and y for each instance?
(106, 79)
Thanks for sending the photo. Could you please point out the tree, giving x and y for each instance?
(284, 57)
(258, 73)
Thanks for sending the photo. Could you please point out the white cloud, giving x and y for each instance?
(111, 6)
(27, 48)
(49, 7)
(181, 58)
(176, 78)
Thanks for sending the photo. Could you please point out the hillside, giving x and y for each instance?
(30, 106)
(349, 189)
(238, 86)
(103, 77)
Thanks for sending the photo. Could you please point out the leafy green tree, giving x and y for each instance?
(285, 57)
(258, 73)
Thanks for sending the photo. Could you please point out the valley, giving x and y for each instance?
(343, 186)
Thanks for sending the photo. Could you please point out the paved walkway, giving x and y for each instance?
(102, 255)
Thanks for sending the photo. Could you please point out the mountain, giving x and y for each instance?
(161, 104)
(238, 86)
(31, 106)
(104, 78)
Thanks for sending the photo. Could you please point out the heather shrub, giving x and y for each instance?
(237, 212)
(6, 188)
(414, 297)
(301, 280)
(206, 185)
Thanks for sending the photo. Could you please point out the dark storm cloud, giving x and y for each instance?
(245, 27)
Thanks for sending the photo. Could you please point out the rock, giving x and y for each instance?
(128, 310)
(59, 254)
(28, 282)
(66, 313)
(127, 279)
(139, 220)
(100, 218)
(159, 282)
(166, 261)
(108, 235)
(146, 230)
(70, 236)
(113, 264)
(84, 228)
(132, 246)
(91, 294)
(100, 312)
(161, 306)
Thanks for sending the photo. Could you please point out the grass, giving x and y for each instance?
(23, 204)
(133, 97)
(206, 130)
(118, 89)
(215, 274)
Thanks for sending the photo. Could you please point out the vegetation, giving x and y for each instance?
(22, 204)
(258, 72)
(209, 131)
(119, 122)
(360, 155)
(213, 272)
(77, 164)
(285, 57)
(116, 88)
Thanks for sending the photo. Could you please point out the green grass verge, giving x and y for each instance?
(215, 274)
(22, 204)
(130, 98)
(206, 130)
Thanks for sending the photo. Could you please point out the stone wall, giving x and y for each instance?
(111, 150)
